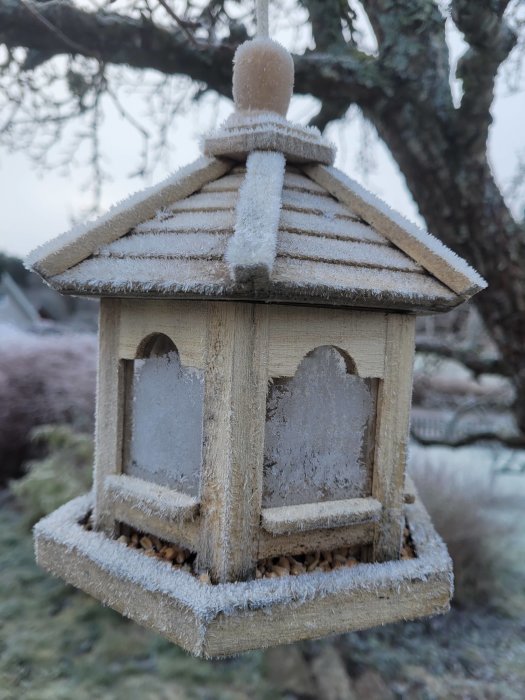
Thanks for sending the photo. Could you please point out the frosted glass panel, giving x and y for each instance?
(166, 431)
(317, 433)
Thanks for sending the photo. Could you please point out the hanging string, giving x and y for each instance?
(262, 19)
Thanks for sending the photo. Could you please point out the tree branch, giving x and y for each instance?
(490, 41)
(325, 18)
(140, 43)
(413, 49)
(114, 39)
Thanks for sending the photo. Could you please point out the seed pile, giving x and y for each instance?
(179, 557)
(408, 551)
(275, 567)
(272, 567)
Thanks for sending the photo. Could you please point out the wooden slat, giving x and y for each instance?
(306, 202)
(295, 180)
(297, 146)
(109, 410)
(295, 331)
(206, 201)
(228, 183)
(303, 247)
(185, 222)
(333, 613)
(392, 435)
(415, 289)
(168, 245)
(71, 248)
(251, 250)
(419, 245)
(292, 280)
(155, 510)
(287, 520)
(209, 246)
(184, 322)
(234, 421)
(159, 501)
(317, 224)
(313, 540)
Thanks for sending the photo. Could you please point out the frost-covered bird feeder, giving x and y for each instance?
(255, 372)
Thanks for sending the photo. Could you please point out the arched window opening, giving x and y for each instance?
(163, 432)
(155, 345)
(319, 426)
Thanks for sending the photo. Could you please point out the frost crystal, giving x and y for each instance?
(166, 439)
(315, 442)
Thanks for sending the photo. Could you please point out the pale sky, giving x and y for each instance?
(36, 208)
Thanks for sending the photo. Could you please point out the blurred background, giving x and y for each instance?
(425, 102)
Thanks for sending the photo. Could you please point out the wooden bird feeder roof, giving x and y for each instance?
(264, 216)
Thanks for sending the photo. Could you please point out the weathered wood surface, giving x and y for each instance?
(287, 520)
(184, 534)
(109, 421)
(414, 242)
(312, 540)
(393, 415)
(71, 248)
(184, 322)
(295, 331)
(234, 420)
(167, 503)
(298, 147)
(153, 509)
(210, 621)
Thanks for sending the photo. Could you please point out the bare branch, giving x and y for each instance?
(325, 18)
(180, 23)
(490, 41)
(35, 11)
(140, 43)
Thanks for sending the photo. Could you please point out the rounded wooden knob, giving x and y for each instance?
(263, 76)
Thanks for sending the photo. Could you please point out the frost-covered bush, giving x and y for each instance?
(460, 506)
(64, 473)
(43, 380)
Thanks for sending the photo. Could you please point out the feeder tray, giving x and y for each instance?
(224, 619)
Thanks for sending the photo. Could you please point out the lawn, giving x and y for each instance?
(57, 644)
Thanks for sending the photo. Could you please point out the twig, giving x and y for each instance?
(179, 22)
(76, 47)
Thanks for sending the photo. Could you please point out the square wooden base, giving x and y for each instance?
(225, 619)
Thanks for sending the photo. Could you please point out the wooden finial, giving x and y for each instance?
(263, 71)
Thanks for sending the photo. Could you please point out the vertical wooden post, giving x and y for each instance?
(394, 399)
(234, 422)
(109, 410)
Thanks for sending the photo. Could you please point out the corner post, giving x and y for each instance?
(394, 400)
(234, 422)
(109, 409)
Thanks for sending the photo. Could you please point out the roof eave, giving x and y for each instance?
(280, 293)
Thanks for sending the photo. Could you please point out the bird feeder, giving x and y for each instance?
(255, 373)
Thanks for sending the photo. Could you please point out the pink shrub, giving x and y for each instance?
(43, 380)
